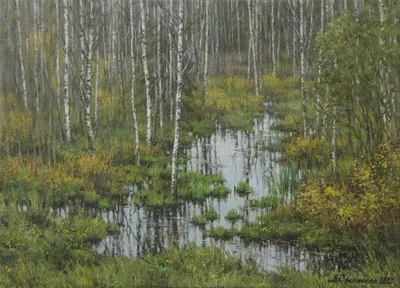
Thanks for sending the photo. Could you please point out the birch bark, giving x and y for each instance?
(66, 72)
(21, 56)
(146, 71)
(178, 100)
(133, 107)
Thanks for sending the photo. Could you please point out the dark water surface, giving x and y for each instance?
(237, 156)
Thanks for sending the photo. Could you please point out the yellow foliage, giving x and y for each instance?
(308, 151)
(365, 203)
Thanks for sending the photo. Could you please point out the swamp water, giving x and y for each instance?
(237, 156)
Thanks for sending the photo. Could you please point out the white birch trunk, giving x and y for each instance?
(113, 42)
(88, 85)
(82, 57)
(170, 82)
(178, 100)
(302, 68)
(238, 30)
(294, 42)
(21, 56)
(58, 76)
(278, 29)
(35, 49)
(96, 88)
(273, 36)
(253, 50)
(146, 71)
(133, 107)
(66, 72)
(205, 68)
(319, 64)
(159, 76)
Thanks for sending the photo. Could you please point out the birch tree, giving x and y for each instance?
(179, 83)
(88, 83)
(146, 71)
(35, 49)
(133, 107)
(21, 56)
(253, 50)
(66, 73)
(205, 68)
(302, 67)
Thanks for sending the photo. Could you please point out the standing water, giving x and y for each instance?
(237, 156)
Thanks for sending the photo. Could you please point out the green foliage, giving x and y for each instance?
(197, 187)
(233, 216)
(243, 189)
(154, 199)
(264, 202)
(220, 233)
(364, 203)
(211, 216)
(308, 152)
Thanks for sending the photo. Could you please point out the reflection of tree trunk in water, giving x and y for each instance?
(248, 156)
(198, 168)
(175, 223)
(209, 155)
(182, 215)
(204, 150)
(149, 235)
(157, 236)
(138, 235)
(215, 154)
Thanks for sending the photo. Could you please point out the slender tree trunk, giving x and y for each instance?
(334, 160)
(35, 48)
(302, 68)
(133, 107)
(170, 82)
(178, 100)
(205, 68)
(253, 50)
(58, 76)
(82, 55)
(21, 56)
(96, 88)
(294, 64)
(278, 31)
(88, 85)
(146, 71)
(319, 65)
(273, 36)
(238, 30)
(66, 72)
(159, 76)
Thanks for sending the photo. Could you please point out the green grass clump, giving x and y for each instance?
(233, 216)
(264, 202)
(154, 199)
(220, 192)
(198, 187)
(220, 233)
(243, 189)
(211, 215)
